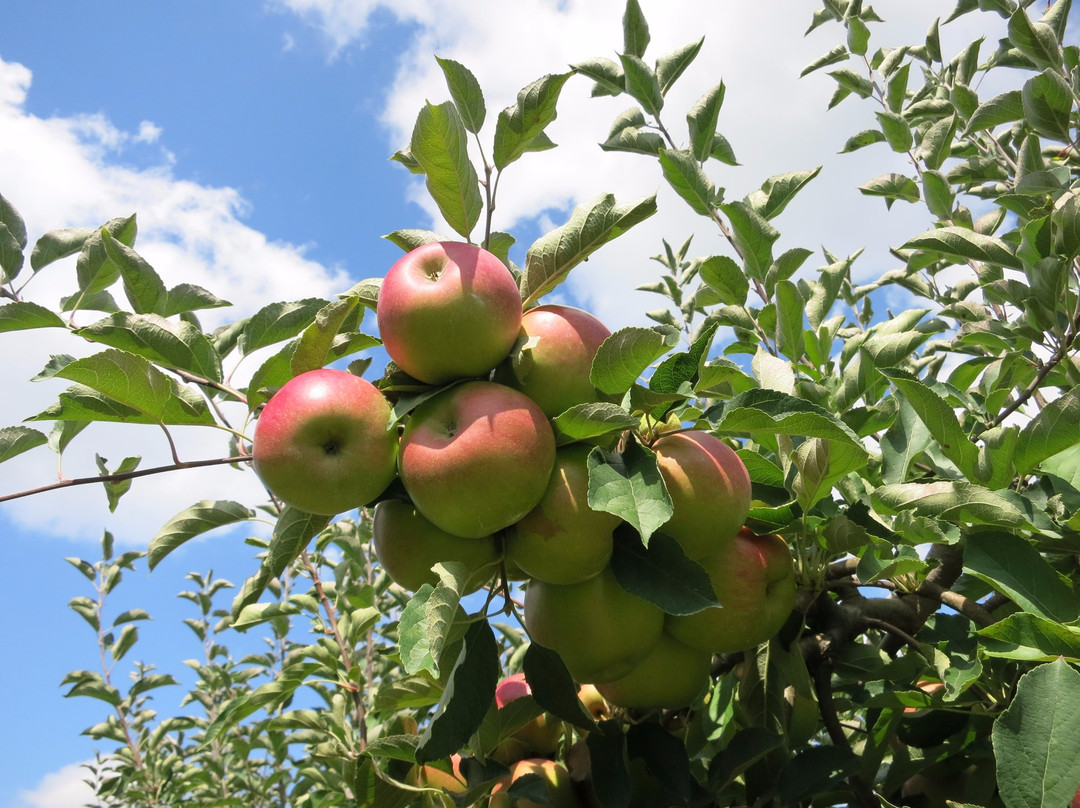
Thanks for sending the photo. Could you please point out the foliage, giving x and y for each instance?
(932, 454)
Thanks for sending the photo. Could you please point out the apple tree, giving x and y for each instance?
(775, 550)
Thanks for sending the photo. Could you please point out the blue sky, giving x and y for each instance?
(252, 140)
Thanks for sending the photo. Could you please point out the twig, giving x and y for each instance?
(126, 475)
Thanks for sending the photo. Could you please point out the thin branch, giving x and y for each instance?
(126, 475)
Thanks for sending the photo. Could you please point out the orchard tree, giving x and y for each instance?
(669, 532)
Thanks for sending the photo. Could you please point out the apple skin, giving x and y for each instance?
(562, 540)
(408, 546)
(754, 580)
(709, 488)
(538, 738)
(670, 677)
(321, 443)
(451, 782)
(1076, 799)
(559, 788)
(553, 357)
(448, 311)
(599, 629)
(476, 457)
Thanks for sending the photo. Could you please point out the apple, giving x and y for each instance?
(594, 702)
(448, 311)
(671, 677)
(322, 445)
(553, 356)
(428, 776)
(476, 457)
(754, 580)
(599, 629)
(709, 488)
(538, 738)
(408, 546)
(560, 791)
(1076, 799)
(562, 540)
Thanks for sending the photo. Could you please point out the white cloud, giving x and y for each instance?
(68, 172)
(60, 789)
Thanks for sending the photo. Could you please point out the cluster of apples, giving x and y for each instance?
(486, 480)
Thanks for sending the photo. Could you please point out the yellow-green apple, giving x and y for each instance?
(538, 738)
(670, 677)
(559, 789)
(754, 580)
(553, 356)
(476, 457)
(709, 488)
(429, 776)
(322, 444)
(595, 703)
(408, 546)
(600, 630)
(562, 540)
(448, 311)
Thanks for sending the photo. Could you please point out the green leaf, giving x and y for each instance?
(185, 297)
(14, 440)
(203, 516)
(635, 30)
(661, 573)
(1004, 108)
(862, 139)
(171, 343)
(701, 122)
(292, 533)
(128, 637)
(858, 35)
(592, 420)
(686, 177)
(754, 237)
(1048, 105)
(592, 225)
(747, 747)
(625, 355)
(142, 392)
(467, 697)
(466, 93)
(1014, 567)
(1051, 431)
(892, 187)
(1028, 637)
(439, 146)
(114, 489)
(142, 285)
(521, 123)
(682, 368)
(672, 65)
(896, 130)
(629, 485)
(553, 687)
(835, 56)
(408, 239)
(94, 269)
(939, 418)
(726, 278)
(426, 619)
(642, 83)
(1037, 40)
(276, 322)
(852, 82)
(958, 502)
(776, 192)
(11, 255)
(57, 244)
(606, 73)
(629, 133)
(937, 142)
(1036, 746)
(313, 349)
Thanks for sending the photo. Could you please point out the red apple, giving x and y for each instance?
(538, 738)
(754, 580)
(451, 782)
(476, 458)
(709, 488)
(599, 629)
(322, 445)
(408, 546)
(553, 357)
(448, 311)
(560, 790)
(562, 540)
(670, 677)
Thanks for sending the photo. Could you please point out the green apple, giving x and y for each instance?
(754, 580)
(408, 546)
(562, 540)
(476, 457)
(321, 443)
(560, 791)
(709, 488)
(599, 629)
(538, 738)
(552, 359)
(672, 676)
(448, 311)
(595, 704)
